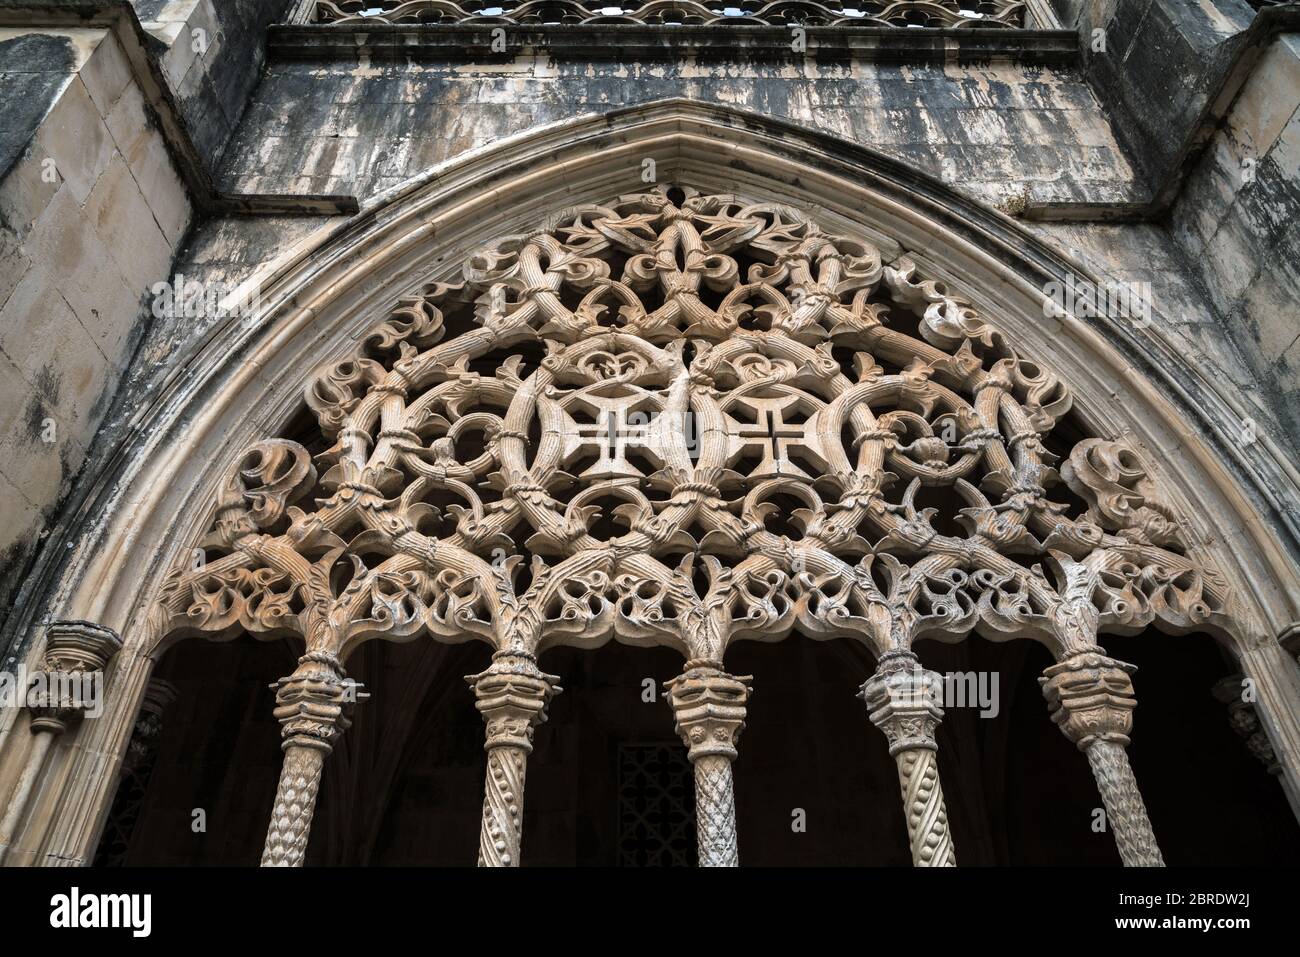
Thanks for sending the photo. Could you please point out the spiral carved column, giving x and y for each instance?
(512, 697)
(310, 709)
(75, 652)
(709, 706)
(903, 700)
(1091, 697)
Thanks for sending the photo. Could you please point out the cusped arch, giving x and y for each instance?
(738, 287)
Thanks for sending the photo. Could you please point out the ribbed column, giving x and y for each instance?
(1092, 701)
(709, 707)
(75, 652)
(903, 699)
(512, 696)
(310, 709)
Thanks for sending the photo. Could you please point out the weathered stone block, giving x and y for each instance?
(125, 224)
(75, 136)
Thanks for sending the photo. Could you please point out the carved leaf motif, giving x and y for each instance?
(741, 424)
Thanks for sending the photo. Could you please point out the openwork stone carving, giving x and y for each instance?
(898, 13)
(683, 419)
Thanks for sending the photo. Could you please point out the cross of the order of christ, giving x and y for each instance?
(774, 438)
(618, 427)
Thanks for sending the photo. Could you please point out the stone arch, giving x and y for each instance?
(972, 282)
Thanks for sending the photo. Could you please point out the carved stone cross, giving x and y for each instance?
(773, 437)
(618, 427)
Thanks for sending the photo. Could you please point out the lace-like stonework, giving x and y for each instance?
(901, 13)
(686, 419)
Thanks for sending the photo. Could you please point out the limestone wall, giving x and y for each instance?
(92, 212)
(1238, 220)
(361, 124)
(214, 51)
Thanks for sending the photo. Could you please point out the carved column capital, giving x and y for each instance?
(1091, 698)
(903, 699)
(310, 703)
(709, 707)
(73, 648)
(512, 695)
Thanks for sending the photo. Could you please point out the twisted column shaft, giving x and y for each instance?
(709, 707)
(512, 696)
(903, 699)
(927, 817)
(1092, 701)
(310, 709)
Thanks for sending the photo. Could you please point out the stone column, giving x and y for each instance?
(709, 707)
(903, 699)
(310, 708)
(512, 696)
(1091, 698)
(1241, 715)
(75, 652)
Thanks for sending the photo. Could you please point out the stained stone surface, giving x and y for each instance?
(1152, 141)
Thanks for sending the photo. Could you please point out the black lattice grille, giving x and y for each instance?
(656, 823)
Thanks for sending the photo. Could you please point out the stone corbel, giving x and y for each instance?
(73, 650)
(1289, 638)
(1245, 721)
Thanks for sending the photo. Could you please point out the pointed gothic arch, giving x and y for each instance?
(811, 302)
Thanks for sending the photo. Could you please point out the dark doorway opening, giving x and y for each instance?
(607, 784)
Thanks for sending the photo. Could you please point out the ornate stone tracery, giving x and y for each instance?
(679, 419)
(891, 13)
